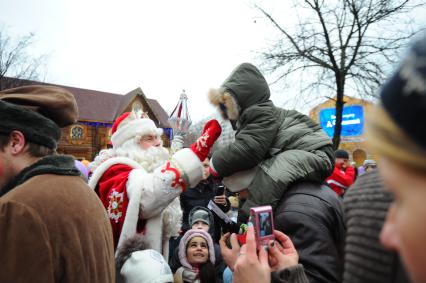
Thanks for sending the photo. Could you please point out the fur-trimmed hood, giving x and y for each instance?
(244, 87)
(183, 244)
(135, 243)
(136, 262)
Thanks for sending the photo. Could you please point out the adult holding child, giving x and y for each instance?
(397, 136)
(278, 146)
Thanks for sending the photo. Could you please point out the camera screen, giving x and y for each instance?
(265, 221)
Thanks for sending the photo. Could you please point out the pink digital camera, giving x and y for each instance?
(263, 222)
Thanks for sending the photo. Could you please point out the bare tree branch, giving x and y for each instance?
(346, 42)
(15, 60)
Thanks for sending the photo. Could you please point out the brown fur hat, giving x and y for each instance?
(37, 111)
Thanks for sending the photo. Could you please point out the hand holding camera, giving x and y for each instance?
(282, 253)
(266, 250)
(220, 197)
(262, 220)
(256, 265)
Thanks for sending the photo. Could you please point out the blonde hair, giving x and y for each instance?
(385, 138)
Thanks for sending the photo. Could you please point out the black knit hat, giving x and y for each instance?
(37, 112)
(340, 153)
(404, 94)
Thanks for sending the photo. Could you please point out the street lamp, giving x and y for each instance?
(180, 122)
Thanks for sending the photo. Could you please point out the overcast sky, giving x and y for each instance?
(160, 46)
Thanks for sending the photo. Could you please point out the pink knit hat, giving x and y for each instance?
(184, 242)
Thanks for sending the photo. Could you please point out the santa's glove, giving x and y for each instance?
(211, 132)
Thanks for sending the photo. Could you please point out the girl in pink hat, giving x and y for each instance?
(196, 254)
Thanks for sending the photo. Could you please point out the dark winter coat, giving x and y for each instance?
(53, 227)
(366, 261)
(312, 216)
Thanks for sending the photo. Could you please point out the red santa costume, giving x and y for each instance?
(139, 187)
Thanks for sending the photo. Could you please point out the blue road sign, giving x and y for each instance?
(352, 120)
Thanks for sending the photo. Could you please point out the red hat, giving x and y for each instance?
(118, 121)
(129, 125)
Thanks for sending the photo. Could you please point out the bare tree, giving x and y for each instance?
(341, 44)
(16, 62)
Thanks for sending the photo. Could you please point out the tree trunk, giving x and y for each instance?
(340, 83)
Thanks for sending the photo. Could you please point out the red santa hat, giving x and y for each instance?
(129, 125)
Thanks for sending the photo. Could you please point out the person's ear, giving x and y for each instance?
(17, 142)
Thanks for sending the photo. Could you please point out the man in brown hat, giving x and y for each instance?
(53, 228)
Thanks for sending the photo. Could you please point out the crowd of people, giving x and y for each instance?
(144, 215)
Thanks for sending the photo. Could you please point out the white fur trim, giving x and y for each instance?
(172, 223)
(153, 232)
(156, 193)
(133, 128)
(172, 218)
(134, 192)
(138, 184)
(192, 167)
(240, 180)
(161, 209)
(100, 170)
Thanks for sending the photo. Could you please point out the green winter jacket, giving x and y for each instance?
(265, 132)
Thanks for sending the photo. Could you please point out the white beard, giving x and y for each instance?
(149, 159)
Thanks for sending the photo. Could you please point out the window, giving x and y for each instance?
(77, 132)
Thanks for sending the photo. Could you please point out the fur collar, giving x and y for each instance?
(100, 170)
(54, 164)
(225, 102)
